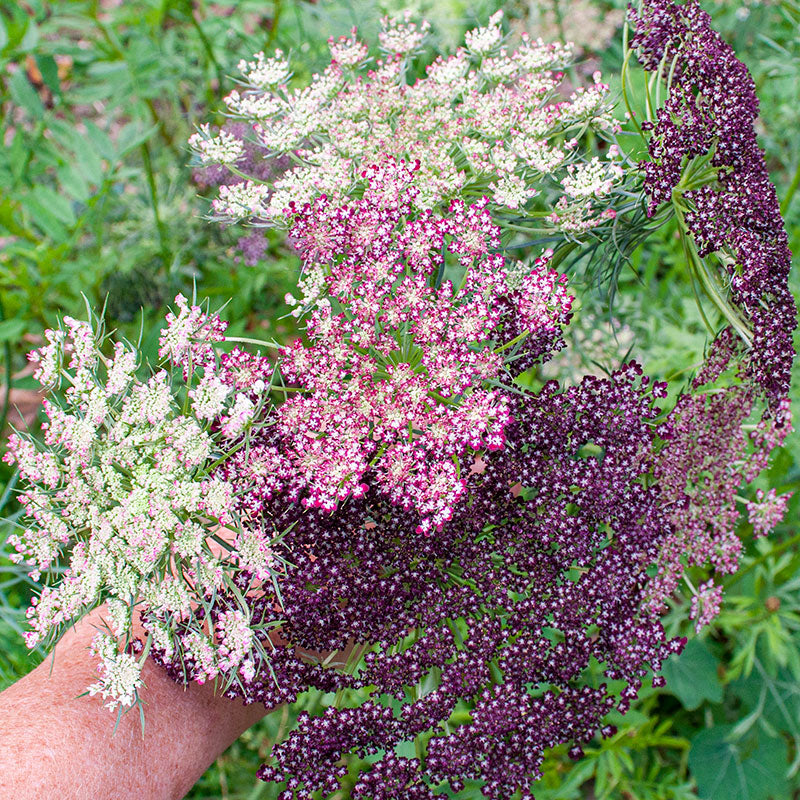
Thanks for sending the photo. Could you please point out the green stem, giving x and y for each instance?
(244, 176)
(247, 340)
(660, 78)
(151, 183)
(442, 399)
(512, 342)
(521, 228)
(708, 281)
(698, 302)
(650, 106)
(287, 389)
(166, 136)
(777, 550)
(206, 44)
(624, 78)
(273, 30)
(227, 455)
(7, 375)
(790, 192)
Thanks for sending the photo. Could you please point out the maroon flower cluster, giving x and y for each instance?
(708, 457)
(711, 108)
(503, 612)
(710, 112)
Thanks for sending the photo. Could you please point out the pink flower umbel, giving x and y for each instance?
(397, 379)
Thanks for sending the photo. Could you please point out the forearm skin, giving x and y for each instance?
(54, 744)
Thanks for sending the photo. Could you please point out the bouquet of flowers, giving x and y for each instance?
(392, 509)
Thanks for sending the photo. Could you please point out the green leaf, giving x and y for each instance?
(49, 69)
(748, 769)
(132, 135)
(101, 142)
(57, 204)
(20, 31)
(24, 95)
(692, 676)
(17, 154)
(12, 329)
(73, 183)
(44, 219)
(775, 697)
(81, 150)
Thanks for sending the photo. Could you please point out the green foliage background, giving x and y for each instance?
(96, 198)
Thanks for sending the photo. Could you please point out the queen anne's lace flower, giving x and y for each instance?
(221, 149)
(484, 96)
(397, 382)
(120, 673)
(126, 491)
(401, 36)
(487, 546)
(263, 72)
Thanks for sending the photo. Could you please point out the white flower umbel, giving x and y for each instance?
(221, 149)
(120, 673)
(263, 72)
(123, 499)
(489, 119)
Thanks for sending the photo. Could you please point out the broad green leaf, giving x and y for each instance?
(752, 768)
(17, 155)
(101, 142)
(89, 162)
(132, 135)
(776, 697)
(692, 676)
(82, 151)
(49, 69)
(45, 220)
(21, 33)
(73, 183)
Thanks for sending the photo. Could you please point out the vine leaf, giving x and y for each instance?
(692, 675)
(749, 768)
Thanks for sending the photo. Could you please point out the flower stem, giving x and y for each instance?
(624, 78)
(247, 340)
(790, 192)
(514, 341)
(151, 183)
(708, 280)
(7, 375)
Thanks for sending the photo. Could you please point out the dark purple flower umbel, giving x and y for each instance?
(732, 213)
(537, 580)
(711, 108)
